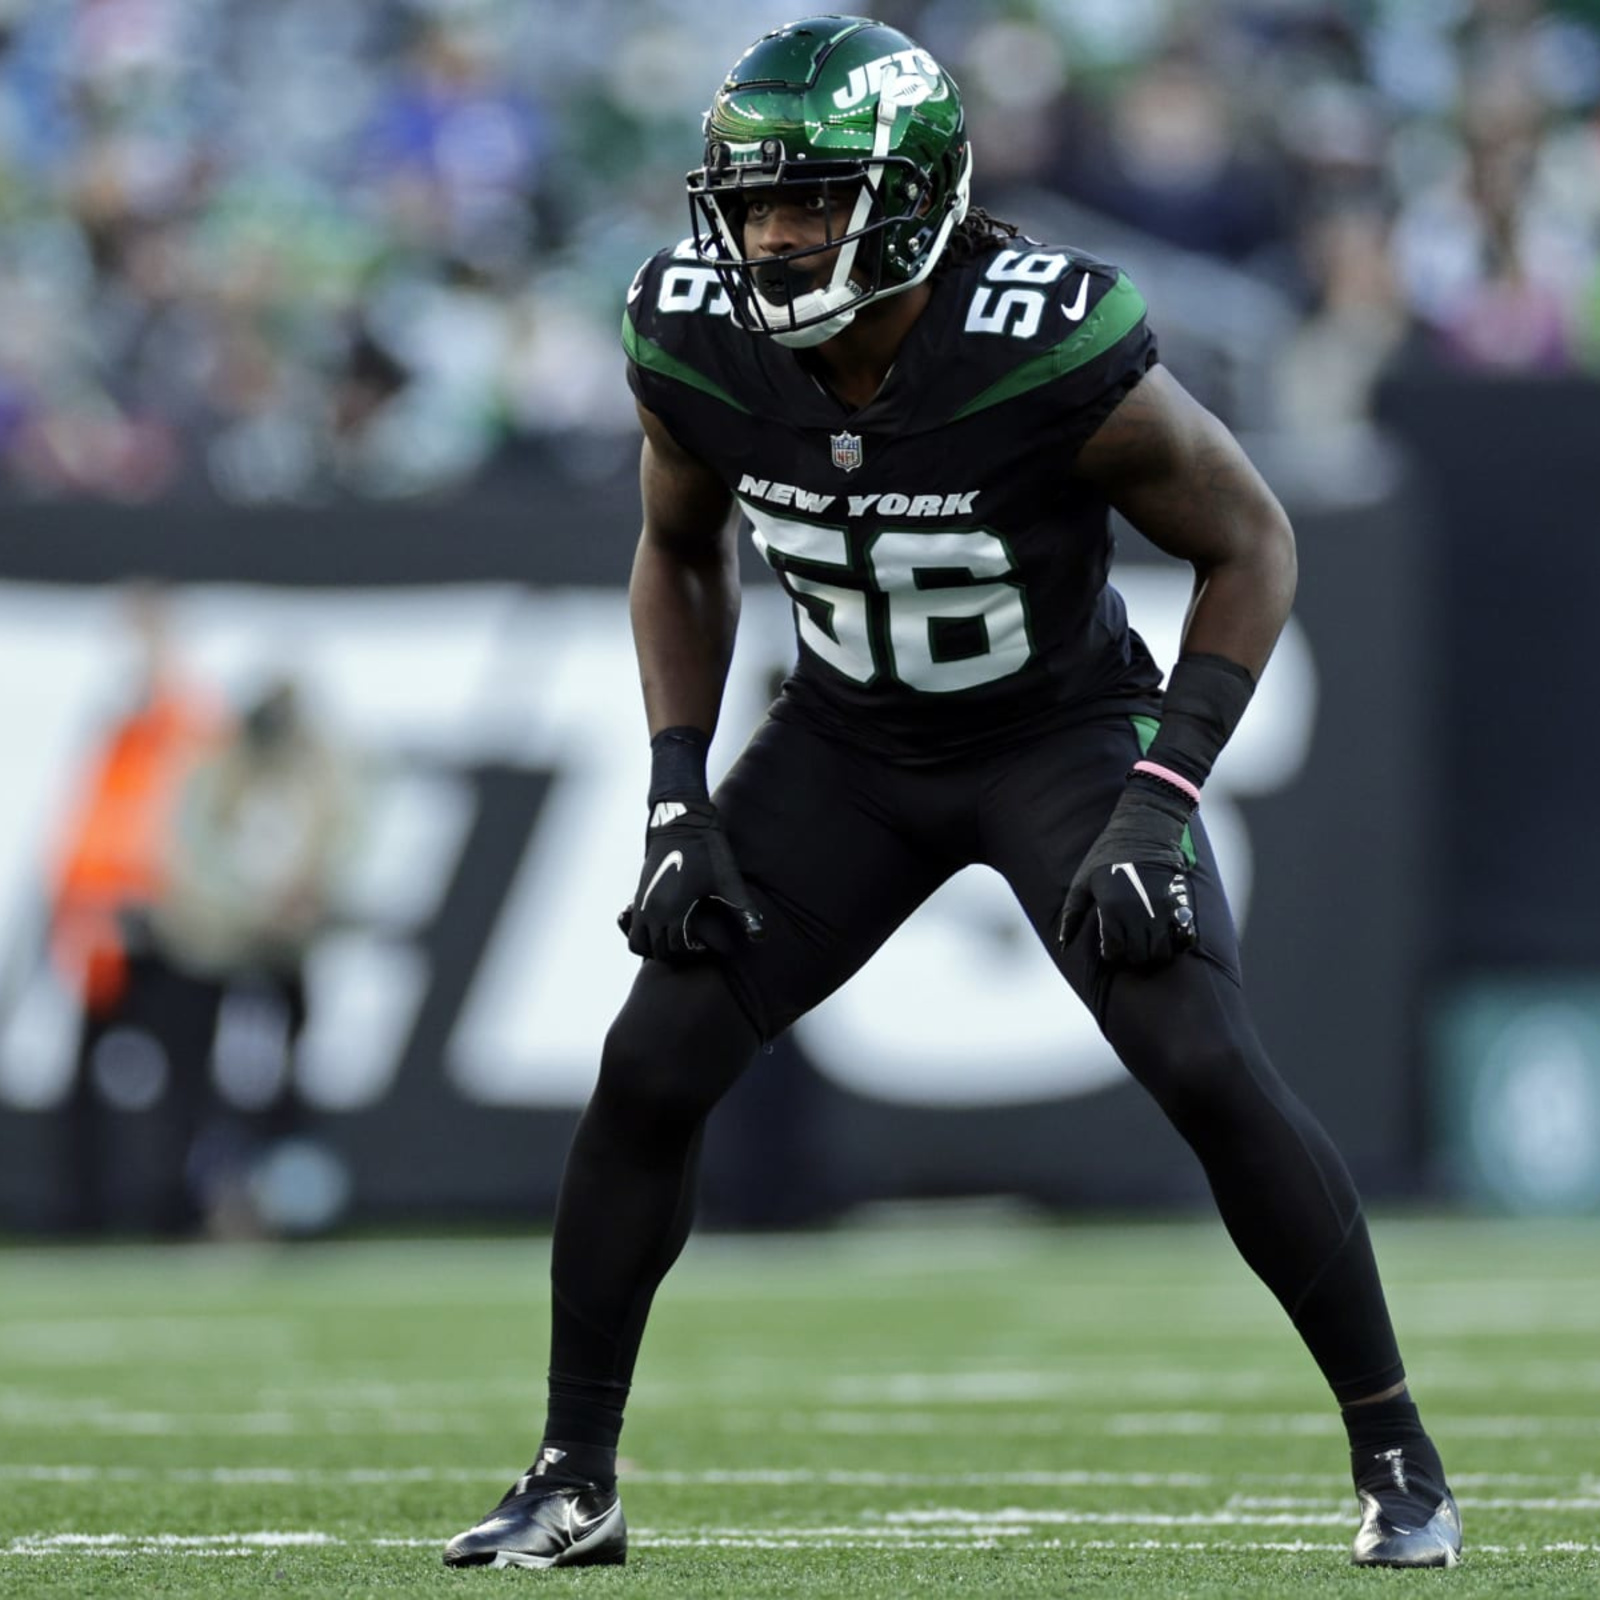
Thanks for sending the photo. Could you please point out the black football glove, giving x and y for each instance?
(689, 877)
(1136, 880)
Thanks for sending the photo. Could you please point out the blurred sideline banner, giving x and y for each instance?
(475, 657)
(1512, 990)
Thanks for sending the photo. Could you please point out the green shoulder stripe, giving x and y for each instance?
(647, 353)
(1116, 313)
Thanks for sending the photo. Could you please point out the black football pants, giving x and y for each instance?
(838, 849)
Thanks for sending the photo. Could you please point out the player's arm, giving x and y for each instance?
(683, 597)
(1177, 474)
(683, 600)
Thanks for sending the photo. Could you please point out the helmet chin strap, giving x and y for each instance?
(837, 298)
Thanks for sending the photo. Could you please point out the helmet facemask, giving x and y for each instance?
(901, 215)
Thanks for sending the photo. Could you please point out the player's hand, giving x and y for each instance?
(689, 881)
(1135, 880)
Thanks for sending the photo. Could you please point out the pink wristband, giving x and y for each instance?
(1167, 775)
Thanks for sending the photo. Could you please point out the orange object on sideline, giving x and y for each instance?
(114, 850)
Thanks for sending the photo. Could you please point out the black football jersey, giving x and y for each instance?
(949, 576)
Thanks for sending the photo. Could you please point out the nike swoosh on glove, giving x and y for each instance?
(1136, 880)
(689, 871)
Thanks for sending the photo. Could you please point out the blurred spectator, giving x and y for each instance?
(254, 847)
(1496, 262)
(453, 149)
(1171, 155)
(113, 871)
(113, 857)
(1356, 322)
(257, 842)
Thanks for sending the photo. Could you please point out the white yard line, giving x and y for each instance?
(48, 1414)
(249, 1477)
(45, 1413)
(35, 1543)
(1585, 1487)
(125, 1545)
(139, 1340)
(1161, 1423)
(1022, 1386)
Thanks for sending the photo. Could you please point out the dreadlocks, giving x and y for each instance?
(975, 235)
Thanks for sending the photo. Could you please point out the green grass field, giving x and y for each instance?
(953, 1404)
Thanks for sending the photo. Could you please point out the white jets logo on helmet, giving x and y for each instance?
(916, 70)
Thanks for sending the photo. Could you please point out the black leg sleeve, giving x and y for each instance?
(1285, 1195)
(627, 1197)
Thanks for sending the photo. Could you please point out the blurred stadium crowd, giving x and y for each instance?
(289, 250)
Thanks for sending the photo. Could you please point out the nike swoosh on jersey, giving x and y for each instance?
(673, 862)
(1075, 312)
(1133, 878)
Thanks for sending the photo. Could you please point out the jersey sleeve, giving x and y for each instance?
(640, 336)
(1107, 355)
(1091, 345)
(682, 362)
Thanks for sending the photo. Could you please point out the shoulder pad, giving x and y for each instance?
(678, 333)
(673, 291)
(1030, 297)
(1030, 318)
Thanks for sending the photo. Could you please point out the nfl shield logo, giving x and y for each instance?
(846, 451)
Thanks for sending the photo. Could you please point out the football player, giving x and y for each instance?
(924, 418)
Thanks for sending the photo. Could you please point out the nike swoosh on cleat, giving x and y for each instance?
(580, 1528)
(1133, 878)
(673, 862)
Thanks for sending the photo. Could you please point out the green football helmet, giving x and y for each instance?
(839, 104)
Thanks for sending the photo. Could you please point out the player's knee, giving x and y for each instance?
(1204, 1085)
(673, 1051)
(644, 1079)
(1188, 1040)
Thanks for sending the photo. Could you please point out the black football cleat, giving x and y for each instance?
(544, 1522)
(1407, 1520)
